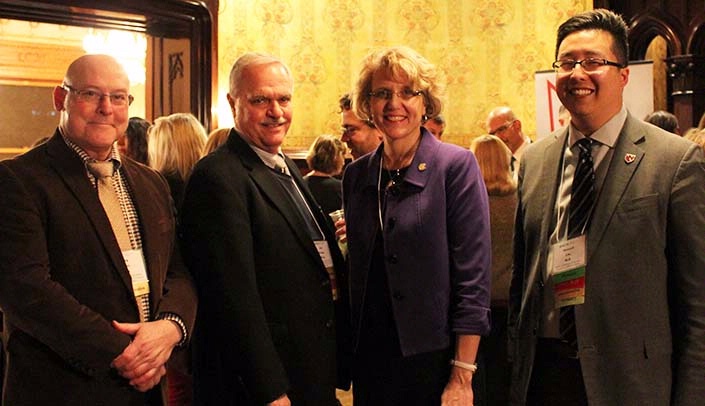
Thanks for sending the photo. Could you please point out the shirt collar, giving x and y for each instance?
(269, 159)
(114, 154)
(607, 134)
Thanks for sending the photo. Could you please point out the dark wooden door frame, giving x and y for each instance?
(159, 18)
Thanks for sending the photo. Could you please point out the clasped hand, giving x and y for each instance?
(143, 361)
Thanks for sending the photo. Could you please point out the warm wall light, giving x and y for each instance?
(129, 48)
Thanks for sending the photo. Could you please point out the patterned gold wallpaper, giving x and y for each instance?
(488, 50)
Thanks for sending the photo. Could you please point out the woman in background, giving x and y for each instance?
(215, 139)
(494, 159)
(418, 232)
(326, 158)
(134, 142)
(175, 145)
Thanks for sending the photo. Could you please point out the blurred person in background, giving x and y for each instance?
(215, 139)
(436, 126)
(326, 158)
(133, 142)
(494, 157)
(175, 145)
(361, 136)
(664, 120)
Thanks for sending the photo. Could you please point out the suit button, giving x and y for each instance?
(398, 296)
(325, 283)
(329, 324)
(392, 259)
(391, 223)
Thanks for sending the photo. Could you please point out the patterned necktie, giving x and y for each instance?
(582, 197)
(582, 200)
(103, 172)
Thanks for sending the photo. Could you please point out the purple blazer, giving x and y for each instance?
(436, 244)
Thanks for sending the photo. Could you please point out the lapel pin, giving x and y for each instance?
(422, 166)
(629, 158)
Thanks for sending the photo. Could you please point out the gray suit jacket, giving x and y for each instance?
(641, 330)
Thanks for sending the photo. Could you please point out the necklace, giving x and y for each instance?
(404, 160)
(395, 176)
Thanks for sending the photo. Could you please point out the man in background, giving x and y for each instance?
(360, 136)
(93, 290)
(436, 126)
(502, 123)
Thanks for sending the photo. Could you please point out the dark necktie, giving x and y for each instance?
(582, 200)
(582, 197)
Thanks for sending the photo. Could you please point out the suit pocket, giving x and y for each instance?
(643, 205)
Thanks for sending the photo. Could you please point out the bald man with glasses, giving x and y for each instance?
(503, 123)
(95, 297)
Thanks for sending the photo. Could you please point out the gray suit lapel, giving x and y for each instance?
(625, 160)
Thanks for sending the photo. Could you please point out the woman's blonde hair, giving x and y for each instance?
(697, 136)
(494, 159)
(403, 64)
(175, 144)
(326, 154)
(215, 139)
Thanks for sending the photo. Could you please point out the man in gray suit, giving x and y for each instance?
(611, 312)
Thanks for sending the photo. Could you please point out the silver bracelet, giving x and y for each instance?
(464, 365)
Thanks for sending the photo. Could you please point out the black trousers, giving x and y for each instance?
(556, 379)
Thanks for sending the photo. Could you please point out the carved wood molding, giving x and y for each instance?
(25, 63)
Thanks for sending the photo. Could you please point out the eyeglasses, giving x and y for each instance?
(588, 65)
(386, 94)
(93, 96)
(502, 128)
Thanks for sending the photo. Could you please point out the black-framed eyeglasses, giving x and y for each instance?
(94, 96)
(588, 64)
(386, 94)
(502, 128)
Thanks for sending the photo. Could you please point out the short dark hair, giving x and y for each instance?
(345, 104)
(439, 120)
(599, 19)
(663, 119)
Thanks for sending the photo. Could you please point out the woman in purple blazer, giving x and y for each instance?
(419, 245)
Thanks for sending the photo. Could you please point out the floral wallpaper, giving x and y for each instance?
(488, 51)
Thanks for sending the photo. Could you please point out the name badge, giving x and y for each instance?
(324, 252)
(568, 273)
(138, 271)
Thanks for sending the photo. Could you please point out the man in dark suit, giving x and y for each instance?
(262, 256)
(607, 302)
(72, 290)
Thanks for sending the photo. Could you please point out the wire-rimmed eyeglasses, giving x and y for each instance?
(588, 64)
(386, 94)
(93, 96)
